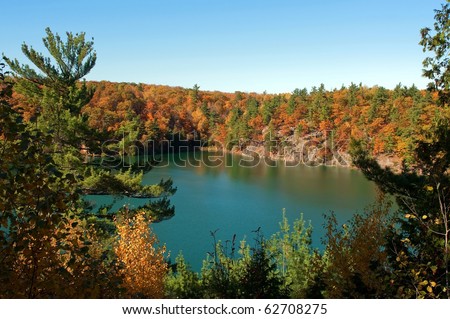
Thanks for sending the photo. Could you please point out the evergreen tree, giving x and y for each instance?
(183, 283)
(417, 245)
(57, 96)
(436, 41)
(54, 89)
(44, 253)
(294, 256)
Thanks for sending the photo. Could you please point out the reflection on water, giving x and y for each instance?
(216, 192)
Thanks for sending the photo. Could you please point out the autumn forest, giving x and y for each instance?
(63, 138)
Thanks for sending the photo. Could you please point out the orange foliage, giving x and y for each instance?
(355, 112)
(143, 265)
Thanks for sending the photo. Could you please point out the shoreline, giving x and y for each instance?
(384, 160)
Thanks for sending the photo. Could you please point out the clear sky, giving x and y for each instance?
(228, 45)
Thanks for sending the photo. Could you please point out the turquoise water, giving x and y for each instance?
(233, 195)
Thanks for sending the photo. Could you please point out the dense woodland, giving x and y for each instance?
(53, 130)
(392, 121)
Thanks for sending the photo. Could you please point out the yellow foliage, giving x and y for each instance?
(143, 266)
(48, 262)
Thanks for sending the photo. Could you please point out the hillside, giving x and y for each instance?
(314, 126)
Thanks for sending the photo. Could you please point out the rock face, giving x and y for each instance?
(390, 161)
(315, 149)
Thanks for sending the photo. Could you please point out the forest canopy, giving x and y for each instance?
(56, 244)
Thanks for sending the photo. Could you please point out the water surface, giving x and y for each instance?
(233, 195)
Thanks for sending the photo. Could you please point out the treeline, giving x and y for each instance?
(391, 121)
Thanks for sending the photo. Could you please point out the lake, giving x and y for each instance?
(235, 195)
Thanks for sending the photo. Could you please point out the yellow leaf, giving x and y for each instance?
(407, 216)
(429, 188)
(433, 284)
(429, 289)
(424, 217)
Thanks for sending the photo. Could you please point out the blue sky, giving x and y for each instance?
(253, 46)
